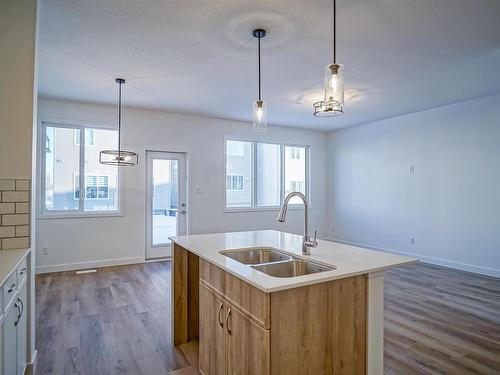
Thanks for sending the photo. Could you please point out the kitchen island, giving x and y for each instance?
(236, 318)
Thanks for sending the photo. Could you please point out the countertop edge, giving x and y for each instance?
(293, 284)
(21, 256)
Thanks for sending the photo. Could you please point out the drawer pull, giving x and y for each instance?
(23, 271)
(227, 322)
(12, 287)
(219, 315)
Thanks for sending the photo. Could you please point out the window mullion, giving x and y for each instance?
(82, 170)
(282, 174)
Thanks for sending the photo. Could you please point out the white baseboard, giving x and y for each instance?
(431, 260)
(86, 265)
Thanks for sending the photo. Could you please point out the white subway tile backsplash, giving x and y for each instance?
(15, 243)
(6, 232)
(8, 208)
(22, 208)
(14, 213)
(7, 185)
(15, 219)
(22, 231)
(22, 185)
(15, 196)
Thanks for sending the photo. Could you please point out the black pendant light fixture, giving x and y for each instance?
(119, 157)
(260, 107)
(333, 102)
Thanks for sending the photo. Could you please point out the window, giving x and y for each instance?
(89, 137)
(261, 174)
(234, 182)
(96, 187)
(63, 160)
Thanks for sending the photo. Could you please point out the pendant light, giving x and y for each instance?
(119, 157)
(260, 107)
(333, 103)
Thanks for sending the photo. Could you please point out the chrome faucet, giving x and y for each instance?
(307, 242)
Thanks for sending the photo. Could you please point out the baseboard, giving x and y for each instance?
(31, 367)
(431, 260)
(86, 265)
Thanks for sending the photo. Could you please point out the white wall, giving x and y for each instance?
(450, 205)
(76, 243)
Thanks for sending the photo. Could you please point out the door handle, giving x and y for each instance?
(227, 322)
(219, 315)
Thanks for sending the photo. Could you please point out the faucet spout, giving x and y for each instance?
(306, 241)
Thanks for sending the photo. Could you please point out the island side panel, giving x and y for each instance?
(184, 292)
(320, 328)
(375, 323)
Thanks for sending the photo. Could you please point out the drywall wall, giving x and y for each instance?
(87, 242)
(18, 36)
(17, 70)
(433, 176)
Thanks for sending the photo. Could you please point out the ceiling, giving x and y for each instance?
(197, 56)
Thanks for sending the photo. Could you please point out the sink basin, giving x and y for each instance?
(292, 268)
(256, 256)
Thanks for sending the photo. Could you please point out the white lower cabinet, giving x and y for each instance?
(14, 330)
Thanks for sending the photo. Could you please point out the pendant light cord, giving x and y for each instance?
(119, 117)
(259, 73)
(334, 26)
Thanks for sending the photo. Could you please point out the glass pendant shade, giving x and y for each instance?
(260, 116)
(334, 85)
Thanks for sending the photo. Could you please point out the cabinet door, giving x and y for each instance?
(9, 340)
(212, 356)
(247, 345)
(22, 331)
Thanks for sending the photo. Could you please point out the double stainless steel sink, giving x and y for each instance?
(276, 263)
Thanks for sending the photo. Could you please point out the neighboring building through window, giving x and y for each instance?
(96, 187)
(63, 157)
(234, 182)
(89, 137)
(260, 174)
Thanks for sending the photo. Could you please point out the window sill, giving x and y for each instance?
(80, 215)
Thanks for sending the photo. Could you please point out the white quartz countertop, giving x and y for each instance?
(349, 260)
(9, 260)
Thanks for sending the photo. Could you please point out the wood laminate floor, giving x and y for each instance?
(116, 321)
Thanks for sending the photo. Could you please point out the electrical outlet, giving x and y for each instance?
(45, 250)
(412, 241)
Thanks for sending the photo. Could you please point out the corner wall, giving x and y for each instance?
(449, 204)
(90, 242)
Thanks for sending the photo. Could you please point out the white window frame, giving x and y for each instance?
(42, 212)
(254, 206)
(76, 140)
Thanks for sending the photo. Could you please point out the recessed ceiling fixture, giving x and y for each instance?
(119, 157)
(333, 103)
(260, 107)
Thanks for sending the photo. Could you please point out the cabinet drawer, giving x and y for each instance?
(22, 271)
(246, 297)
(9, 290)
(213, 276)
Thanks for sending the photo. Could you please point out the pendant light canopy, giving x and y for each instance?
(333, 102)
(119, 157)
(260, 106)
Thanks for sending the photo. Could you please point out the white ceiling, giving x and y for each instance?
(197, 56)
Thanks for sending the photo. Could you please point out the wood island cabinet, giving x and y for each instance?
(241, 330)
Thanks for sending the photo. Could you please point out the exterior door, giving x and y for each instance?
(166, 206)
